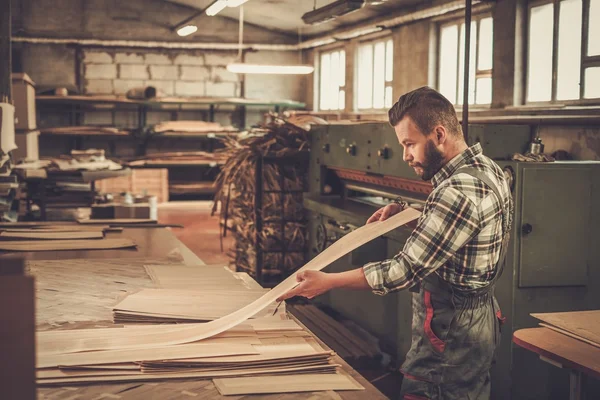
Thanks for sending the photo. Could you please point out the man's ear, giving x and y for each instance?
(441, 135)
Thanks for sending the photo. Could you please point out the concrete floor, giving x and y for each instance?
(201, 230)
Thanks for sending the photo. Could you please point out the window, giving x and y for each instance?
(375, 74)
(563, 57)
(332, 80)
(452, 56)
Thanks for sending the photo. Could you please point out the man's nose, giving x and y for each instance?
(406, 156)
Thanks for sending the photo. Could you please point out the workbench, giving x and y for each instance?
(89, 310)
(562, 351)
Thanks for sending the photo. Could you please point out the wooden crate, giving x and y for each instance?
(154, 181)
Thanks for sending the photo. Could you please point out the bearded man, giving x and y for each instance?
(452, 260)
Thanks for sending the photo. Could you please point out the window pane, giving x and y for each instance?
(461, 61)
(379, 75)
(342, 100)
(484, 91)
(539, 74)
(324, 81)
(486, 44)
(448, 62)
(592, 83)
(388, 96)
(569, 50)
(389, 61)
(342, 71)
(594, 29)
(365, 76)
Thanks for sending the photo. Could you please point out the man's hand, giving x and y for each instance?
(311, 284)
(385, 212)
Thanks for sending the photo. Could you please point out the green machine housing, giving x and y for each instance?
(552, 265)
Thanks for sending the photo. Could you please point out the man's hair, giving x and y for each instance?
(427, 108)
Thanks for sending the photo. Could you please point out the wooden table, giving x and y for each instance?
(564, 352)
(84, 312)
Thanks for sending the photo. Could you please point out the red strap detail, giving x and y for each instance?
(437, 343)
(414, 378)
(409, 396)
(500, 317)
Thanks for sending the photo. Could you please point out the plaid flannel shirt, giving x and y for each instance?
(458, 234)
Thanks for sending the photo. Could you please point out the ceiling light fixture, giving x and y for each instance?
(331, 11)
(243, 68)
(235, 3)
(216, 7)
(187, 30)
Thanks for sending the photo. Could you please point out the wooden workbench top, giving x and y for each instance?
(80, 293)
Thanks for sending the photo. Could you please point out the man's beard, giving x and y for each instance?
(434, 161)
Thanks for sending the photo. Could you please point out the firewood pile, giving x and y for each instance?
(276, 249)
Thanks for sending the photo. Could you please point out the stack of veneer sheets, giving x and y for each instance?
(581, 325)
(47, 237)
(269, 344)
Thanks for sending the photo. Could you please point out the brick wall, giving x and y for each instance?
(172, 73)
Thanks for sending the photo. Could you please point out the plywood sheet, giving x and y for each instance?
(194, 278)
(585, 324)
(286, 384)
(160, 353)
(55, 245)
(52, 235)
(164, 304)
(116, 221)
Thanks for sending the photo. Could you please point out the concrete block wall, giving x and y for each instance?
(182, 74)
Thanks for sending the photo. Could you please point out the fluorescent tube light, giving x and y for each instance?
(187, 30)
(332, 11)
(216, 7)
(239, 68)
(235, 3)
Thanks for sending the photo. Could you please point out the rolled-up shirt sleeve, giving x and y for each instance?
(450, 219)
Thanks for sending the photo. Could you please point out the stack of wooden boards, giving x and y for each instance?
(48, 237)
(581, 325)
(188, 294)
(239, 359)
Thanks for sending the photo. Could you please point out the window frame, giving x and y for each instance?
(372, 41)
(317, 100)
(488, 73)
(585, 62)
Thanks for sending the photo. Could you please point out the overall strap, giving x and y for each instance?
(482, 176)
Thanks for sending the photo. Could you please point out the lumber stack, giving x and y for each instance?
(356, 350)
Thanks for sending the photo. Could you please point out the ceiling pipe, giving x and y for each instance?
(418, 13)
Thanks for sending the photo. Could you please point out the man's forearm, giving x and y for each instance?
(353, 279)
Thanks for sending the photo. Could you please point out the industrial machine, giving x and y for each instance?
(552, 265)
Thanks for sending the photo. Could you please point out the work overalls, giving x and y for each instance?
(454, 332)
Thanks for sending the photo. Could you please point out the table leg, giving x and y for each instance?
(575, 387)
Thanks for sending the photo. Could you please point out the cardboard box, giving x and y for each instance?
(27, 146)
(118, 211)
(23, 92)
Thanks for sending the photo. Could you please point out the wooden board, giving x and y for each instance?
(116, 221)
(159, 353)
(562, 349)
(286, 384)
(554, 328)
(56, 245)
(194, 277)
(584, 324)
(49, 235)
(165, 304)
